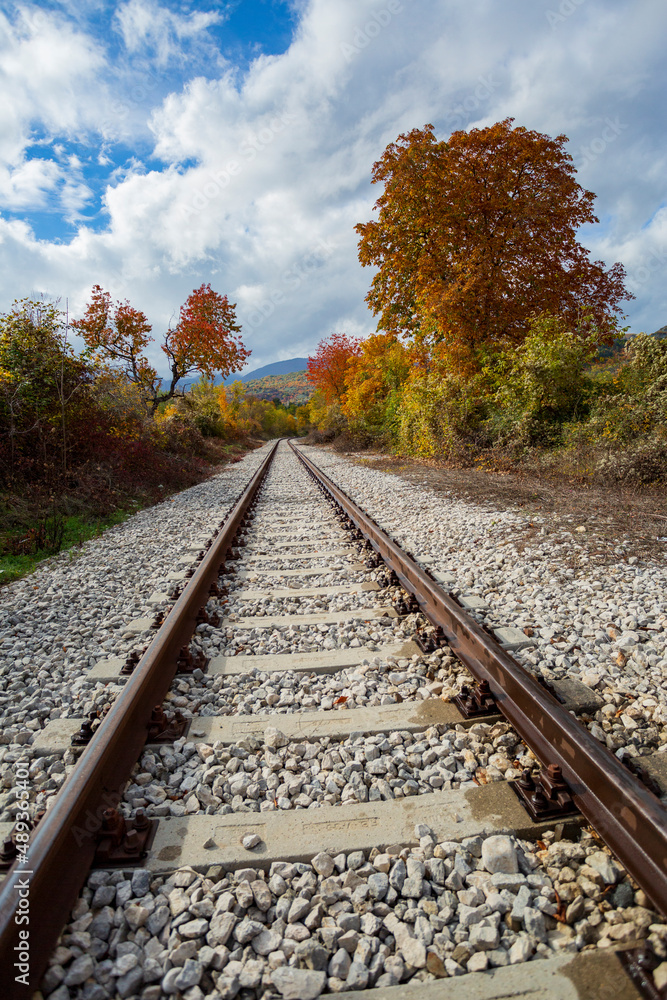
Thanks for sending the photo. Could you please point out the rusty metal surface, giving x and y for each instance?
(63, 846)
(630, 819)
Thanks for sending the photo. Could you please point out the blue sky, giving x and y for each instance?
(151, 146)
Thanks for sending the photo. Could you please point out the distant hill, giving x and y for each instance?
(277, 368)
(293, 387)
(660, 334)
(608, 351)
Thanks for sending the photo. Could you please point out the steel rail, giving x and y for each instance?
(63, 845)
(629, 818)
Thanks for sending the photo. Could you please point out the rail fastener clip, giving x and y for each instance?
(122, 842)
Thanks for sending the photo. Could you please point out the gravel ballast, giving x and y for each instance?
(345, 922)
(76, 608)
(604, 626)
(272, 930)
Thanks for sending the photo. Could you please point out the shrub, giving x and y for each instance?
(327, 418)
(632, 402)
(277, 422)
(44, 387)
(541, 385)
(442, 413)
(202, 406)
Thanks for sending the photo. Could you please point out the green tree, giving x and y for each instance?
(42, 383)
(544, 382)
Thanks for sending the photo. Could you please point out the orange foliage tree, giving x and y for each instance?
(120, 335)
(205, 340)
(477, 234)
(374, 378)
(326, 369)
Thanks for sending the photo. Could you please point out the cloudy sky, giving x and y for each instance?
(150, 146)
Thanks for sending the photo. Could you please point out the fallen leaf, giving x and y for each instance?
(559, 915)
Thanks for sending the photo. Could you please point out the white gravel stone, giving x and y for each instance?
(323, 865)
(298, 984)
(74, 611)
(603, 864)
(660, 976)
(339, 934)
(274, 738)
(521, 950)
(80, 969)
(499, 855)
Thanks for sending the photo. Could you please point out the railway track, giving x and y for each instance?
(326, 822)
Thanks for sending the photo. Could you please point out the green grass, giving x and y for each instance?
(77, 531)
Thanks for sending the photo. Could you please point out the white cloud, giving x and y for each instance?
(74, 196)
(48, 83)
(282, 154)
(28, 185)
(46, 71)
(146, 25)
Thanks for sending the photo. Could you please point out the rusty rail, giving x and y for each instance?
(630, 819)
(63, 845)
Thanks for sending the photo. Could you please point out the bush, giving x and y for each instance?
(44, 387)
(643, 463)
(632, 402)
(201, 407)
(277, 422)
(442, 413)
(327, 418)
(541, 385)
(559, 400)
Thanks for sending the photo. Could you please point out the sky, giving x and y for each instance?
(149, 146)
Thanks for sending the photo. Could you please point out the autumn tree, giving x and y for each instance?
(326, 369)
(477, 234)
(374, 378)
(205, 340)
(119, 334)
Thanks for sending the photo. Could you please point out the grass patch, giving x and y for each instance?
(75, 531)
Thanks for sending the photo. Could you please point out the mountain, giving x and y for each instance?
(277, 368)
(293, 387)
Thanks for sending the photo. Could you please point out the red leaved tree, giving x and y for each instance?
(119, 334)
(205, 340)
(326, 370)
